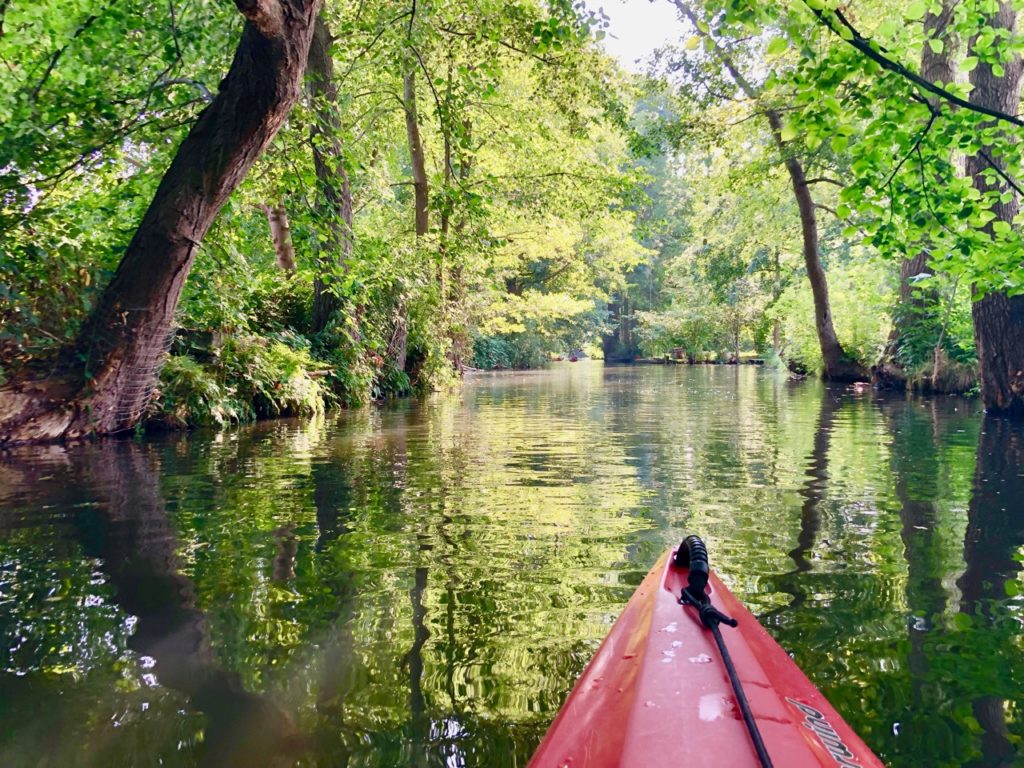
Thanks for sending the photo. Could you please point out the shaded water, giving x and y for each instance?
(421, 584)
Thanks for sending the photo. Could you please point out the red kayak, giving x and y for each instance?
(658, 691)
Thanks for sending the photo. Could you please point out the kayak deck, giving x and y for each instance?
(657, 693)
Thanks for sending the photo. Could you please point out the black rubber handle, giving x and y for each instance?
(693, 554)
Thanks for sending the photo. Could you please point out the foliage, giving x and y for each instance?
(510, 351)
(523, 121)
(944, 324)
(246, 379)
(861, 295)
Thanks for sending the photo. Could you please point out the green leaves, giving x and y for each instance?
(916, 10)
(968, 63)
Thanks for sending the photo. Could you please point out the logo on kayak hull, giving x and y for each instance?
(815, 722)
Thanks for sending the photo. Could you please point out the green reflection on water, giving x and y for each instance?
(421, 584)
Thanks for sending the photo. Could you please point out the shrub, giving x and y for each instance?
(246, 379)
(189, 394)
(512, 351)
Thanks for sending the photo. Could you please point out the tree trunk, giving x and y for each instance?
(935, 68)
(416, 154)
(998, 318)
(889, 373)
(838, 366)
(334, 191)
(446, 216)
(398, 346)
(124, 341)
(281, 234)
(461, 345)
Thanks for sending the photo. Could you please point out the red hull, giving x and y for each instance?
(656, 693)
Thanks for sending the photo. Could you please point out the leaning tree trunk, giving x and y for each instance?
(123, 342)
(416, 154)
(333, 187)
(838, 366)
(998, 318)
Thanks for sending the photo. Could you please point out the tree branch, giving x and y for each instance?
(505, 43)
(876, 53)
(824, 180)
(744, 85)
(366, 49)
(917, 144)
(1005, 177)
(60, 52)
(266, 16)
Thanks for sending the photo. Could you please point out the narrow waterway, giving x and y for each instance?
(420, 584)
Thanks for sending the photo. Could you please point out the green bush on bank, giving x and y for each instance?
(509, 351)
(861, 299)
(246, 378)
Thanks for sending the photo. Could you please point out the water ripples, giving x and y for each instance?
(421, 584)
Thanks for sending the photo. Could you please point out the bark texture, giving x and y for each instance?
(998, 318)
(334, 190)
(123, 343)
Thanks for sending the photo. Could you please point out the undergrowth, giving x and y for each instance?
(245, 379)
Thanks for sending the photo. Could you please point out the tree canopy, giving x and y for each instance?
(444, 185)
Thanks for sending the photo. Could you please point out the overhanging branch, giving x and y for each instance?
(874, 52)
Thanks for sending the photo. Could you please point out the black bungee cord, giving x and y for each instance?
(693, 554)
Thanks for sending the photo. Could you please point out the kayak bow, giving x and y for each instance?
(658, 691)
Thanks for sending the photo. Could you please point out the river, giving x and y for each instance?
(419, 584)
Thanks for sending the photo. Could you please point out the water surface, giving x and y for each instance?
(420, 584)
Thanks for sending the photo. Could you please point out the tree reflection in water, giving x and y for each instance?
(420, 584)
(126, 528)
(995, 532)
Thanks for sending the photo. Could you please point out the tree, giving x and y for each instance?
(970, 222)
(837, 364)
(334, 190)
(998, 315)
(938, 65)
(107, 376)
(417, 158)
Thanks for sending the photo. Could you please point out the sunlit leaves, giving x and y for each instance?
(916, 10)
